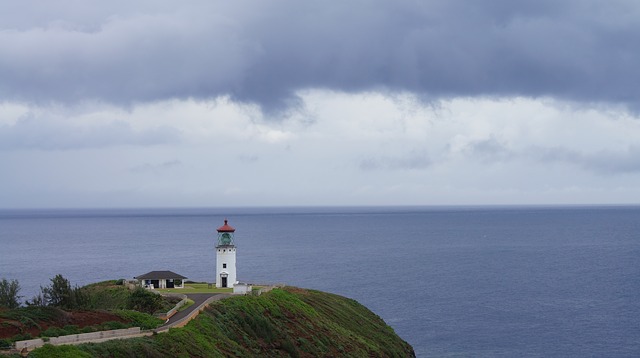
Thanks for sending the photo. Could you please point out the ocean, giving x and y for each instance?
(452, 281)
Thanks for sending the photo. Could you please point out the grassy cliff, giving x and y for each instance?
(284, 322)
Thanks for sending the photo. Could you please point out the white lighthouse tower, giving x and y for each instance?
(225, 257)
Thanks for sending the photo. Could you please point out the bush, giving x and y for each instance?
(5, 344)
(107, 326)
(88, 329)
(145, 301)
(139, 319)
(21, 337)
(71, 329)
(53, 332)
(30, 315)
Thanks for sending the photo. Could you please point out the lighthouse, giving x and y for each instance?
(225, 257)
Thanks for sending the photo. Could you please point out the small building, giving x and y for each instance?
(161, 279)
(242, 288)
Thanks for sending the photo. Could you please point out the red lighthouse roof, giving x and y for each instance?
(226, 227)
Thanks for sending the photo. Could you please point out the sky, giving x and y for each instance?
(297, 103)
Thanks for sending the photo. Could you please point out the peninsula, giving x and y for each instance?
(286, 321)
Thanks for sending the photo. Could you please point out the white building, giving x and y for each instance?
(161, 279)
(225, 257)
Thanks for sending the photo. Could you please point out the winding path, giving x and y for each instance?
(200, 300)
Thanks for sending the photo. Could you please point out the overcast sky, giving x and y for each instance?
(269, 103)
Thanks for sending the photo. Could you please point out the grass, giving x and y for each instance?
(195, 288)
(107, 295)
(188, 304)
(284, 322)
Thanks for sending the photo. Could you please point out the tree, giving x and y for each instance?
(9, 297)
(59, 294)
(37, 300)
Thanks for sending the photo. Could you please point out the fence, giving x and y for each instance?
(175, 309)
(266, 288)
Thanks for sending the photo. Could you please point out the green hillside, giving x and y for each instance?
(284, 322)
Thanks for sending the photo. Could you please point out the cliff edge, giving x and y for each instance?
(284, 322)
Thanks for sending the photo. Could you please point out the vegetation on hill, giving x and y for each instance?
(61, 310)
(34, 321)
(284, 322)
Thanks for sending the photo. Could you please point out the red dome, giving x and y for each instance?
(226, 227)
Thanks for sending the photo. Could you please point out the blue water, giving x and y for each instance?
(459, 282)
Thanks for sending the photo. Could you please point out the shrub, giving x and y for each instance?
(21, 337)
(53, 332)
(113, 325)
(5, 344)
(139, 319)
(145, 301)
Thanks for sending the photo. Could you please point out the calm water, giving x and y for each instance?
(478, 282)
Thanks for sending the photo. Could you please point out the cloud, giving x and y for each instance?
(54, 134)
(267, 52)
(156, 168)
(489, 150)
(414, 160)
(607, 162)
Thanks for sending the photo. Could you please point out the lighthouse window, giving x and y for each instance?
(224, 265)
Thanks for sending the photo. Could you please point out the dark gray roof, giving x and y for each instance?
(158, 275)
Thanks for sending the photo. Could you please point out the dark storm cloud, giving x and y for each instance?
(263, 52)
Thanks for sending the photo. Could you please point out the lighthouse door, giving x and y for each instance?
(224, 281)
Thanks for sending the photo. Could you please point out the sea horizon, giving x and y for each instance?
(451, 280)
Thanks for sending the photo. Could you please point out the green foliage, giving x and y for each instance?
(107, 326)
(37, 300)
(145, 301)
(9, 290)
(134, 347)
(60, 294)
(30, 315)
(5, 343)
(54, 332)
(139, 319)
(21, 337)
(188, 304)
(284, 322)
(106, 295)
(49, 351)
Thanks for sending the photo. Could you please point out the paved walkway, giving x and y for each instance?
(198, 300)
